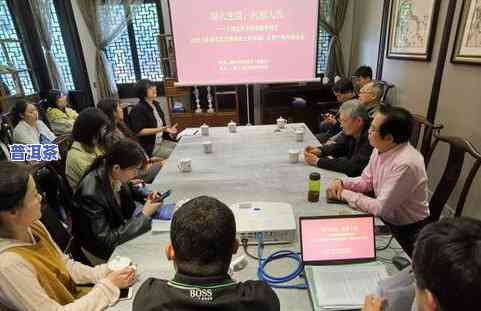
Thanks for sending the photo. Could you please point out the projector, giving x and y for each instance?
(276, 222)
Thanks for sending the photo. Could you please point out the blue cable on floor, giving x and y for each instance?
(277, 281)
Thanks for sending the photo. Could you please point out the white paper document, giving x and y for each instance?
(343, 287)
(398, 291)
(191, 131)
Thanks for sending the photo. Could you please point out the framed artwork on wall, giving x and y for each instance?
(467, 45)
(411, 29)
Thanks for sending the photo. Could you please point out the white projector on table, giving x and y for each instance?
(276, 222)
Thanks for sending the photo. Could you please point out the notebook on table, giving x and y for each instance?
(339, 257)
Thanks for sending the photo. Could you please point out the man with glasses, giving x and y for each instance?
(397, 175)
(351, 153)
(370, 96)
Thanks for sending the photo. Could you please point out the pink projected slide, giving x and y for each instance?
(337, 239)
(244, 41)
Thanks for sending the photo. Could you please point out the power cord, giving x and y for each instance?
(245, 246)
(276, 281)
(382, 248)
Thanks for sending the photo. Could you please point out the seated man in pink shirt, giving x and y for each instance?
(397, 176)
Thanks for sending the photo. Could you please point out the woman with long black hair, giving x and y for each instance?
(105, 215)
(118, 130)
(87, 133)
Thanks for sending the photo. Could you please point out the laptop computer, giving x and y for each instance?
(340, 239)
(339, 258)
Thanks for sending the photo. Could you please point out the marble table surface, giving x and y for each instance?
(249, 165)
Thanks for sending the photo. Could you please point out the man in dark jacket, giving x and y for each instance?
(351, 152)
(203, 240)
(330, 126)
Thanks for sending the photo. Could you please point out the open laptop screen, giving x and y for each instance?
(337, 239)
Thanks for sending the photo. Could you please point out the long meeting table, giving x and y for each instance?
(249, 165)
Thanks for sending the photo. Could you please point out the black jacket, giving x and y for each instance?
(141, 117)
(99, 222)
(350, 155)
(186, 293)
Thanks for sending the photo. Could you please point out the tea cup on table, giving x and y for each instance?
(119, 263)
(204, 130)
(299, 135)
(207, 146)
(185, 165)
(232, 126)
(293, 155)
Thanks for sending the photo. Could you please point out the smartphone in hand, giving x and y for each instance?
(162, 196)
(331, 199)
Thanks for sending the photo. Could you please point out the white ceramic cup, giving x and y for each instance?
(185, 165)
(281, 123)
(119, 263)
(232, 127)
(207, 146)
(299, 135)
(204, 130)
(293, 155)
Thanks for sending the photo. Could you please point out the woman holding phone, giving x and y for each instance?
(106, 214)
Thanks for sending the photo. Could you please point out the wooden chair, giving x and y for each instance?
(79, 100)
(458, 147)
(127, 108)
(42, 112)
(64, 143)
(422, 125)
(57, 209)
(386, 88)
(6, 129)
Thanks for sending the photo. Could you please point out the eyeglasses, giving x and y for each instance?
(344, 120)
(42, 197)
(39, 194)
(372, 128)
(366, 92)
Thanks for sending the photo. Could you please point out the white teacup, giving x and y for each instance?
(204, 130)
(293, 155)
(299, 135)
(119, 263)
(281, 123)
(207, 146)
(232, 126)
(185, 165)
